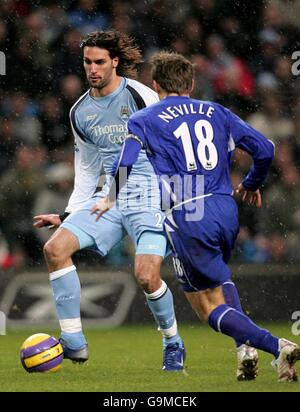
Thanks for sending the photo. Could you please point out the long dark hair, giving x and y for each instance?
(118, 45)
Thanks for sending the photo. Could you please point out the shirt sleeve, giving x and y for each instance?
(87, 171)
(136, 129)
(256, 145)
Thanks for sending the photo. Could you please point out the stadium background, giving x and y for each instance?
(242, 55)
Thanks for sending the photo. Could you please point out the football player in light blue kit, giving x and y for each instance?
(193, 140)
(99, 122)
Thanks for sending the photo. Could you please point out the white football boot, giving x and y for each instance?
(289, 353)
(247, 358)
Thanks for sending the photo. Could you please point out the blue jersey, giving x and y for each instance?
(187, 139)
(183, 136)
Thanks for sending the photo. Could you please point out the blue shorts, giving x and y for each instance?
(201, 249)
(145, 227)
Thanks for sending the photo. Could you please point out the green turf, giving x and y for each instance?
(128, 359)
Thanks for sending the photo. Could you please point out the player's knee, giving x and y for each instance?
(148, 279)
(144, 280)
(147, 272)
(53, 251)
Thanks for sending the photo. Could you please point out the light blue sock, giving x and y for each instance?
(161, 305)
(66, 290)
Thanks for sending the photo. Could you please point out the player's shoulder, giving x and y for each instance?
(221, 113)
(143, 95)
(215, 105)
(138, 117)
(79, 105)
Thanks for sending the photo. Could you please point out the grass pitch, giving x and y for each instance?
(128, 359)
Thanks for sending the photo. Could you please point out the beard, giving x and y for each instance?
(98, 84)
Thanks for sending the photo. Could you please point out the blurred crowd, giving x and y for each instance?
(242, 52)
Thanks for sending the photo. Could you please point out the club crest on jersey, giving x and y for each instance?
(124, 112)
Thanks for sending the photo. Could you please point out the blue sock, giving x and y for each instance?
(232, 299)
(66, 290)
(229, 321)
(161, 305)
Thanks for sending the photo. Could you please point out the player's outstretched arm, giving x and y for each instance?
(252, 198)
(50, 221)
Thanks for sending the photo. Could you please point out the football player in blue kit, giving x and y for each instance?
(189, 143)
(99, 123)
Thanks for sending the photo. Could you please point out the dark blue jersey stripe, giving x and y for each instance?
(73, 120)
(137, 97)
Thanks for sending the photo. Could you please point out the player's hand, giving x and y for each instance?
(102, 206)
(50, 221)
(252, 198)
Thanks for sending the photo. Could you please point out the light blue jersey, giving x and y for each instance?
(100, 127)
